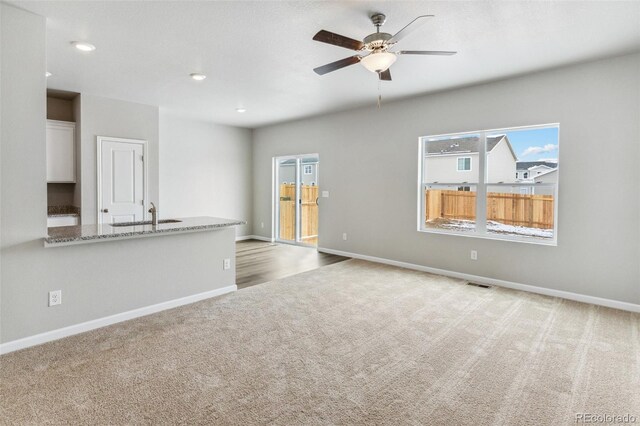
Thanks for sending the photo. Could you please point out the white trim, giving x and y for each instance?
(145, 172)
(254, 237)
(609, 303)
(112, 319)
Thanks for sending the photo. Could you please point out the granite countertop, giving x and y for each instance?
(67, 235)
(58, 211)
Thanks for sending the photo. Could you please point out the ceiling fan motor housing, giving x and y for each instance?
(376, 41)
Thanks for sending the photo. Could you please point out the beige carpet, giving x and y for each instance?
(351, 343)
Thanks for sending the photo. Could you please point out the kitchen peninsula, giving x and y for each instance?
(107, 274)
(81, 234)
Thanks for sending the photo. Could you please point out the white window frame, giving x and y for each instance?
(470, 169)
(310, 168)
(480, 230)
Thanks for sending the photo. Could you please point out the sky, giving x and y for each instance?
(535, 144)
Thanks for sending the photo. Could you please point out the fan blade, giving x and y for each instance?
(338, 40)
(337, 65)
(426, 52)
(407, 29)
(385, 75)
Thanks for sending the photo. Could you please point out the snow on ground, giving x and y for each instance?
(492, 227)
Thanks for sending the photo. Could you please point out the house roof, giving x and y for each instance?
(546, 172)
(461, 145)
(526, 165)
(469, 144)
(305, 160)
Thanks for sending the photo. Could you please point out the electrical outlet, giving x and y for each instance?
(474, 255)
(55, 297)
(325, 194)
(344, 236)
(226, 264)
(261, 224)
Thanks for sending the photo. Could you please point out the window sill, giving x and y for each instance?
(473, 234)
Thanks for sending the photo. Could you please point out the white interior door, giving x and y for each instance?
(121, 180)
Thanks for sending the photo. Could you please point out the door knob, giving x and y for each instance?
(105, 210)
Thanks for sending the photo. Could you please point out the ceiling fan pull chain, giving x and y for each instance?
(379, 95)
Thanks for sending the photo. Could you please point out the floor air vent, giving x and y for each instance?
(479, 285)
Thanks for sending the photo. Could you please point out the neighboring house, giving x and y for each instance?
(529, 170)
(456, 160)
(287, 171)
(550, 176)
(538, 172)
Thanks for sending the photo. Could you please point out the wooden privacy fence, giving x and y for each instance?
(308, 211)
(532, 211)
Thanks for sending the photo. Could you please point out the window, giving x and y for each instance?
(464, 164)
(308, 169)
(494, 203)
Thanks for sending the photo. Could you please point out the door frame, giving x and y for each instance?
(275, 193)
(145, 185)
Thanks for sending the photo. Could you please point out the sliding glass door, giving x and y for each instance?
(296, 199)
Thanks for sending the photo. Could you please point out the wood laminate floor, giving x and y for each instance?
(259, 261)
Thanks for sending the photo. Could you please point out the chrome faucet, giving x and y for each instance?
(154, 214)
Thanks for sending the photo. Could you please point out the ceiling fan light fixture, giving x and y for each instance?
(378, 62)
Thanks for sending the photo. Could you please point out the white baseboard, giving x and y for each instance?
(616, 304)
(254, 237)
(112, 319)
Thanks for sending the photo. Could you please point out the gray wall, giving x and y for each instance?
(24, 183)
(2, 106)
(98, 279)
(598, 107)
(205, 170)
(110, 117)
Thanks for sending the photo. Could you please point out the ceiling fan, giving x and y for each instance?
(377, 45)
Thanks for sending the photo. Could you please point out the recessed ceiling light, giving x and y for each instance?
(241, 109)
(198, 77)
(85, 47)
(47, 74)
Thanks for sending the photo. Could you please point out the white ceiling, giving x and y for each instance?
(260, 54)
